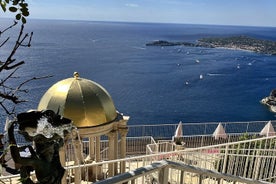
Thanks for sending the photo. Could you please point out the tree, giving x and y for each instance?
(20, 7)
(10, 88)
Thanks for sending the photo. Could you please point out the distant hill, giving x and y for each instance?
(242, 42)
(234, 42)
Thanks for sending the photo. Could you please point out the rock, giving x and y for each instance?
(163, 43)
(270, 101)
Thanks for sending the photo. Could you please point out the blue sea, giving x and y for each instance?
(152, 85)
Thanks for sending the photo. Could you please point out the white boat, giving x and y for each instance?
(201, 76)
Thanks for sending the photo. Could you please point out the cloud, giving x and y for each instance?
(132, 5)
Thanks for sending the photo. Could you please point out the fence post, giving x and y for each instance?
(200, 179)
(163, 175)
(225, 159)
(257, 166)
(182, 177)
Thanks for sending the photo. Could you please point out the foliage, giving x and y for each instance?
(8, 67)
(178, 140)
(242, 158)
(19, 7)
(10, 85)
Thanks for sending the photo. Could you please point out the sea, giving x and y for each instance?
(152, 85)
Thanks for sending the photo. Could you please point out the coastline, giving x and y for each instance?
(231, 48)
(243, 43)
(266, 101)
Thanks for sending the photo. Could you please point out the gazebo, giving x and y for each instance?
(92, 111)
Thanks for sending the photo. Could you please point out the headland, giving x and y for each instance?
(240, 42)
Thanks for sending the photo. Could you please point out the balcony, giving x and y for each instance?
(202, 159)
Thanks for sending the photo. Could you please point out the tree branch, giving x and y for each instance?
(11, 26)
(34, 78)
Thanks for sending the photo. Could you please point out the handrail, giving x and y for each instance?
(158, 166)
(173, 154)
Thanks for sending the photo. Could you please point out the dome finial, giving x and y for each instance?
(76, 75)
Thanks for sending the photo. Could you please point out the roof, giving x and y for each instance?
(83, 101)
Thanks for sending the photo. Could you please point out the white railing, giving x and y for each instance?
(164, 172)
(235, 158)
(166, 131)
(160, 147)
(254, 159)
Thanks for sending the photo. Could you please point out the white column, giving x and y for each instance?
(115, 151)
(97, 172)
(91, 148)
(111, 142)
(123, 133)
(98, 149)
(78, 159)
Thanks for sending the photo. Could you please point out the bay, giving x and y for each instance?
(149, 83)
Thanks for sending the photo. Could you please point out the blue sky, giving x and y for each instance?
(222, 12)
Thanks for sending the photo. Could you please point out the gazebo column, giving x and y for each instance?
(111, 151)
(98, 149)
(92, 148)
(123, 133)
(97, 170)
(78, 159)
(90, 158)
(116, 151)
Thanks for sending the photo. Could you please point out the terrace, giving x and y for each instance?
(152, 156)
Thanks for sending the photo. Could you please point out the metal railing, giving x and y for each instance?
(164, 172)
(236, 158)
(166, 131)
(253, 159)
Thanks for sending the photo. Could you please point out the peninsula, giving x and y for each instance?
(235, 42)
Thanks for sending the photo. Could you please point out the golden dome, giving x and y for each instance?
(83, 101)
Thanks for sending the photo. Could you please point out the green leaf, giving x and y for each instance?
(13, 9)
(18, 16)
(15, 2)
(23, 19)
(25, 11)
(3, 6)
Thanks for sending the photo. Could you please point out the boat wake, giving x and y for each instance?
(140, 48)
(215, 74)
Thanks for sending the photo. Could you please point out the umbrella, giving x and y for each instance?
(268, 130)
(178, 131)
(219, 132)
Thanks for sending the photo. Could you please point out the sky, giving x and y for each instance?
(218, 12)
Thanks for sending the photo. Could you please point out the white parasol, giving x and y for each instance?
(268, 130)
(179, 131)
(219, 132)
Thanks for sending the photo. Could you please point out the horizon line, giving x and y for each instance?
(141, 22)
